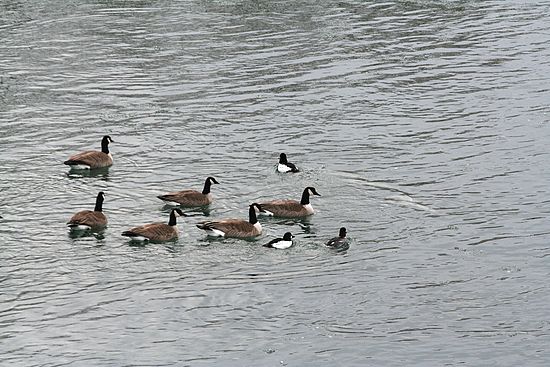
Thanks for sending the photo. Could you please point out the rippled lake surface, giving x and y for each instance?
(424, 125)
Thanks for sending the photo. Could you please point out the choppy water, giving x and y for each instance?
(423, 124)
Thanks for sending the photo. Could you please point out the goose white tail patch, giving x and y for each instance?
(139, 238)
(171, 203)
(79, 227)
(215, 232)
(79, 166)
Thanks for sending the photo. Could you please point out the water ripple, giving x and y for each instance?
(421, 123)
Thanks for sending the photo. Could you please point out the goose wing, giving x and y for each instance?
(281, 203)
(89, 218)
(231, 227)
(92, 158)
(153, 231)
(186, 198)
(284, 207)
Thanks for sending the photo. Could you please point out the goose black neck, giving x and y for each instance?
(105, 146)
(172, 221)
(207, 184)
(305, 197)
(99, 203)
(252, 218)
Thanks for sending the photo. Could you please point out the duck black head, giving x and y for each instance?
(343, 232)
(288, 236)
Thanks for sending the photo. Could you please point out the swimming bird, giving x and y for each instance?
(285, 166)
(156, 231)
(91, 159)
(191, 198)
(281, 243)
(236, 228)
(88, 219)
(290, 208)
(339, 241)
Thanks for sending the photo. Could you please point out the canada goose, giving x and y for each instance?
(91, 159)
(290, 208)
(88, 219)
(281, 243)
(339, 241)
(236, 228)
(285, 166)
(190, 198)
(156, 231)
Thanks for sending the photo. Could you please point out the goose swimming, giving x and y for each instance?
(236, 228)
(191, 198)
(157, 232)
(88, 219)
(290, 208)
(91, 159)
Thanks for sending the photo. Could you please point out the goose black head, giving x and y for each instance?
(257, 206)
(207, 183)
(305, 194)
(252, 218)
(313, 191)
(99, 201)
(178, 212)
(105, 144)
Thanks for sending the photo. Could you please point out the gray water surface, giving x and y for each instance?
(423, 124)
